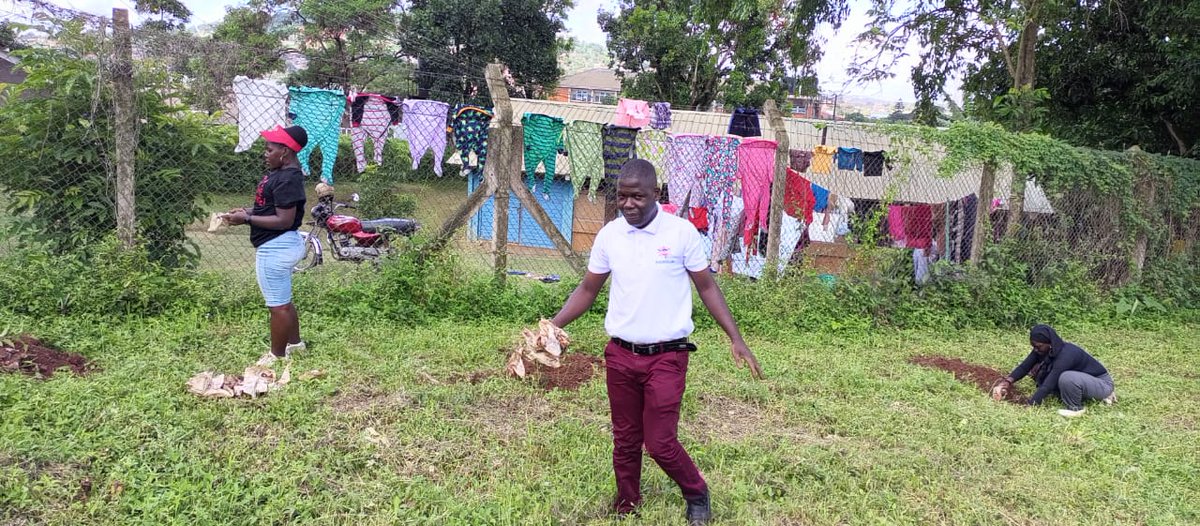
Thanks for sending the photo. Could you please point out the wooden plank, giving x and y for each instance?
(469, 208)
(543, 219)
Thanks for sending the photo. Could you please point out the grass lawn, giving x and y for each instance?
(844, 431)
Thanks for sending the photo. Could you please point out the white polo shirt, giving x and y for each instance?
(650, 298)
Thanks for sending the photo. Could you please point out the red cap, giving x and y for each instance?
(293, 137)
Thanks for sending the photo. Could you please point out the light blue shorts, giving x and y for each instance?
(274, 262)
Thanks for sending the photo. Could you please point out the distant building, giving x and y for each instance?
(810, 107)
(595, 86)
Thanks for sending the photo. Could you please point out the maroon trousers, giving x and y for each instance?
(644, 393)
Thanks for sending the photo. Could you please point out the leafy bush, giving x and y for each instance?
(56, 160)
(105, 280)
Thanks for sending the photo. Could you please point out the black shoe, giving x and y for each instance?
(699, 511)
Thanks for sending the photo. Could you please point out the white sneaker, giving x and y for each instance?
(1071, 414)
(1111, 398)
(268, 359)
(294, 348)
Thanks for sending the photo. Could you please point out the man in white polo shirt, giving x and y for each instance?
(654, 258)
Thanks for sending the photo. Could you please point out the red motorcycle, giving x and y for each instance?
(350, 238)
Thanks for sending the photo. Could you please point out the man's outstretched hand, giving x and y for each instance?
(743, 357)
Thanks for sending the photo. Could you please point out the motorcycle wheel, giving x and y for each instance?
(312, 252)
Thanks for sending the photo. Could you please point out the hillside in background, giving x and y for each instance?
(583, 55)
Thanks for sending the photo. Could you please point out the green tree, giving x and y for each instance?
(347, 43)
(950, 36)
(259, 44)
(172, 14)
(453, 40)
(1115, 74)
(56, 155)
(696, 52)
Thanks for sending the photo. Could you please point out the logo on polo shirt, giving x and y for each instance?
(664, 256)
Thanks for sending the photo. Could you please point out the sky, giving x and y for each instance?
(581, 23)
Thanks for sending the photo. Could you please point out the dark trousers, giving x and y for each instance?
(644, 393)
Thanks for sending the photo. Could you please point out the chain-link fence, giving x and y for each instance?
(855, 197)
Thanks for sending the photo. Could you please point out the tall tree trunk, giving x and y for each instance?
(1023, 80)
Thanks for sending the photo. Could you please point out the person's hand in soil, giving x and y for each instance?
(1001, 388)
(743, 357)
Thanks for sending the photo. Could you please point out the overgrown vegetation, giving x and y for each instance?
(57, 167)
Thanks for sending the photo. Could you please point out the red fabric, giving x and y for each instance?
(277, 134)
(644, 394)
(918, 226)
(798, 199)
(699, 217)
(670, 208)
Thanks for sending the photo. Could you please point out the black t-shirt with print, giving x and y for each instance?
(282, 188)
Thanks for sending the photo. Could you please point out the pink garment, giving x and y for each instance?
(896, 223)
(756, 167)
(376, 121)
(425, 124)
(685, 167)
(632, 113)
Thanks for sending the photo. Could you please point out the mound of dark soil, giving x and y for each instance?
(575, 371)
(30, 356)
(978, 375)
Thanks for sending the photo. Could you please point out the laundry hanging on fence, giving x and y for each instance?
(820, 197)
(895, 220)
(632, 113)
(744, 123)
(873, 163)
(720, 174)
(756, 167)
(798, 198)
(425, 126)
(319, 112)
(619, 142)
(543, 140)
(652, 147)
(261, 105)
(371, 115)
(469, 127)
(799, 160)
(660, 115)
(849, 159)
(685, 164)
(585, 144)
(822, 160)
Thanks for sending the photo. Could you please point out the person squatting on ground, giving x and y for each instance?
(1061, 368)
(651, 257)
(277, 214)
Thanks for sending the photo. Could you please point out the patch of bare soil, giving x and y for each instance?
(978, 375)
(29, 356)
(576, 370)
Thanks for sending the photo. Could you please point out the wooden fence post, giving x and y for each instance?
(124, 127)
(500, 165)
(983, 210)
(778, 185)
(1145, 192)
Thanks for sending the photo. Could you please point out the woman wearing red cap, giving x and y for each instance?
(277, 214)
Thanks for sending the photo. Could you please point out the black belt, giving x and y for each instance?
(649, 349)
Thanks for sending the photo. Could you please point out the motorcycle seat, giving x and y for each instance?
(401, 226)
